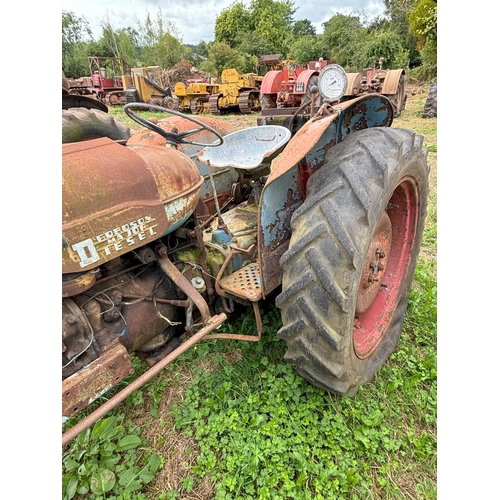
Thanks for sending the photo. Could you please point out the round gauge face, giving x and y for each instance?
(332, 82)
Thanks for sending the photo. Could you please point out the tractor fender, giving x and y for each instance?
(305, 153)
(303, 78)
(353, 84)
(391, 81)
(272, 82)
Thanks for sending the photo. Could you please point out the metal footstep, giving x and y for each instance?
(244, 283)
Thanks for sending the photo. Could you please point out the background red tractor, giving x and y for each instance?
(287, 84)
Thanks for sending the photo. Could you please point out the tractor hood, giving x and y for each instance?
(118, 198)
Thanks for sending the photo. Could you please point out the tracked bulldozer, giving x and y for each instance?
(236, 92)
(193, 97)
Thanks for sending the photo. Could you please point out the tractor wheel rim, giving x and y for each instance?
(377, 300)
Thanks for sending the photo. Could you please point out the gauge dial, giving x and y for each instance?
(332, 82)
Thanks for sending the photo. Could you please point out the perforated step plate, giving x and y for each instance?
(244, 283)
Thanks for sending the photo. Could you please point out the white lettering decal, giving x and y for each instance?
(86, 251)
(115, 240)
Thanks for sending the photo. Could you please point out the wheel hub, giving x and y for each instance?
(375, 264)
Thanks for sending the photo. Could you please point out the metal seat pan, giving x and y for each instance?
(248, 148)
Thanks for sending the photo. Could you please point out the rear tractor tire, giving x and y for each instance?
(430, 107)
(351, 260)
(79, 124)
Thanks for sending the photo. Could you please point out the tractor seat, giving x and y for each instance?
(247, 149)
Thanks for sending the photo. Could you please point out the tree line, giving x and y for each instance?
(405, 36)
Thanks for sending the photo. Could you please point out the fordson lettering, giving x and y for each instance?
(115, 240)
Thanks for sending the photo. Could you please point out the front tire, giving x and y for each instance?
(267, 101)
(349, 267)
(168, 102)
(313, 82)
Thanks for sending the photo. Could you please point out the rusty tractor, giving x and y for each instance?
(169, 231)
(388, 82)
(287, 85)
(114, 83)
(236, 93)
(105, 82)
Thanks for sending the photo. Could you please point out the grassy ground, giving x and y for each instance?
(233, 420)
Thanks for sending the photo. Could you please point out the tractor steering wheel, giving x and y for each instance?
(171, 137)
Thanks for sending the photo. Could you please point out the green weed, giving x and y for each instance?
(108, 461)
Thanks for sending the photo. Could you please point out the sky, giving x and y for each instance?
(195, 19)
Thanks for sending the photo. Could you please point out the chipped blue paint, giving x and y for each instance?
(371, 111)
(221, 236)
(172, 209)
(278, 199)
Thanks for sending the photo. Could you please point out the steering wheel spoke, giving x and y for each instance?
(173, 138)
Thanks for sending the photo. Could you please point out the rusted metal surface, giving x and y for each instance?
(180, 280)
(375, 264)
(224, 178)
(270, 60)
(249, 102)
(74, 284)
(117, 199)
(212, 324)
(239, 336)
(244, 283)
(134, 306)
(171, 123)
(353, 84)
(370, 326)
(79, 390)
(304, 154)
(391, 81)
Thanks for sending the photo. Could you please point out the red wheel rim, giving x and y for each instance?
(388, 260)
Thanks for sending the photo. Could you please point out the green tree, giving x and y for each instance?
(251, 43)
(220, 57)
(199, 52)
(273, 21)
(232, 23)
(386, 44)
(303, 27)
(169, 51)
(423, 24)
(76, 34)
(304, 49)
(121, 43)
(342, 40)
(398, 12)
(263, 28)
(155, 45)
